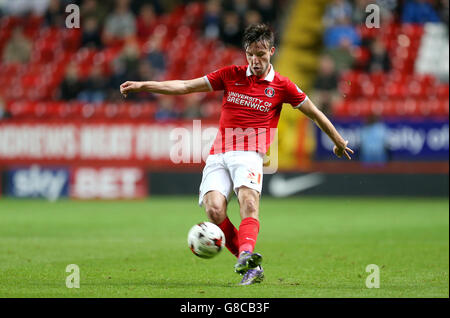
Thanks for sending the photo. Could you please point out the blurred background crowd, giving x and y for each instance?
(349, 45)
(141, 40)
(123, 40)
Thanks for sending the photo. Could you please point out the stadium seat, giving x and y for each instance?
(442, 91)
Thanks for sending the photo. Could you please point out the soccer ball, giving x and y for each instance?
(206, 239)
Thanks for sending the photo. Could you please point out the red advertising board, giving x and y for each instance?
(125, 143)
(108, 183)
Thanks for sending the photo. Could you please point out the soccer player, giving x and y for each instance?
(252, 102)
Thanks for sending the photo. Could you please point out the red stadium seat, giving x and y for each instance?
(442, 91)
(340, 108)
(359, 108)
(418, 90)
(389, 108)
(394, 90)
(21, 109)
(370, 90)
(378, 78)
(348, 90)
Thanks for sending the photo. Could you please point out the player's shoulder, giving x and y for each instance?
(233, 69)
(283, 82)
(237, 69)
(286, 83)
(282, 79)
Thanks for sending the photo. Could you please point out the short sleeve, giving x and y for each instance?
(294, 95)
(217, 78)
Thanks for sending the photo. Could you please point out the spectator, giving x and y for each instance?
(359, 13)
(70, 86)
(4, 114)
(193, 107)
(23, 7)
(94, 88)
(443, 9)
(121, 24)
(231, 29)
(129, 58)
(166, 110)
(90, 36)
(379, 57)
(211, 19)
(419, 11)
(240, 7)
(267, 10)
(155, 55)
(374, 142)
(252, 17)
(325, 86)
(124, 67)
(18, 49)
(92, 8)
(146, 22)
(116, 78)
(343, 29)
(55, 15)
(158, 8)
(145, 72)
(341, 55)
(337, 11)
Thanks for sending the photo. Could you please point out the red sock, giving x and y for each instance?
(248, 232)
(231, 236)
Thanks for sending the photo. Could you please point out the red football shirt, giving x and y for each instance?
(251, 107)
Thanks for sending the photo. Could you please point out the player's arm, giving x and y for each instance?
(176, 87)
(340, 148)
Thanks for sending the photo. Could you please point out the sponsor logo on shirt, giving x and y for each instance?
(248, 101)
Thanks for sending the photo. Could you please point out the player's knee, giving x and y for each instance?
(215, 213)
(215, 208)
(249, 207)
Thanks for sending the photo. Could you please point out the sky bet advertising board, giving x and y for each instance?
(38, 182)
(408, 141)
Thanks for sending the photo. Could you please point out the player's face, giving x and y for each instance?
(258, 57)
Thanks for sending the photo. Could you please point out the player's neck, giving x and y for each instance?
(263, 76)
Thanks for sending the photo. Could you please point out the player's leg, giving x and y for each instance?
(249, 211)
(215, 189)
(246, 172)
(249, 263)
(215, 204)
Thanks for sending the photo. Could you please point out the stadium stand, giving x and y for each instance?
(415, 83)
(37, 82)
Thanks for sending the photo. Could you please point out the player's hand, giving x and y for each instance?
(343, 150)
(130, 87)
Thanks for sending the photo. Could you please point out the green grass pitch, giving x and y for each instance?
(312, 247)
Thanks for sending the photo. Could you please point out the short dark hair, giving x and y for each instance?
(258, 33)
